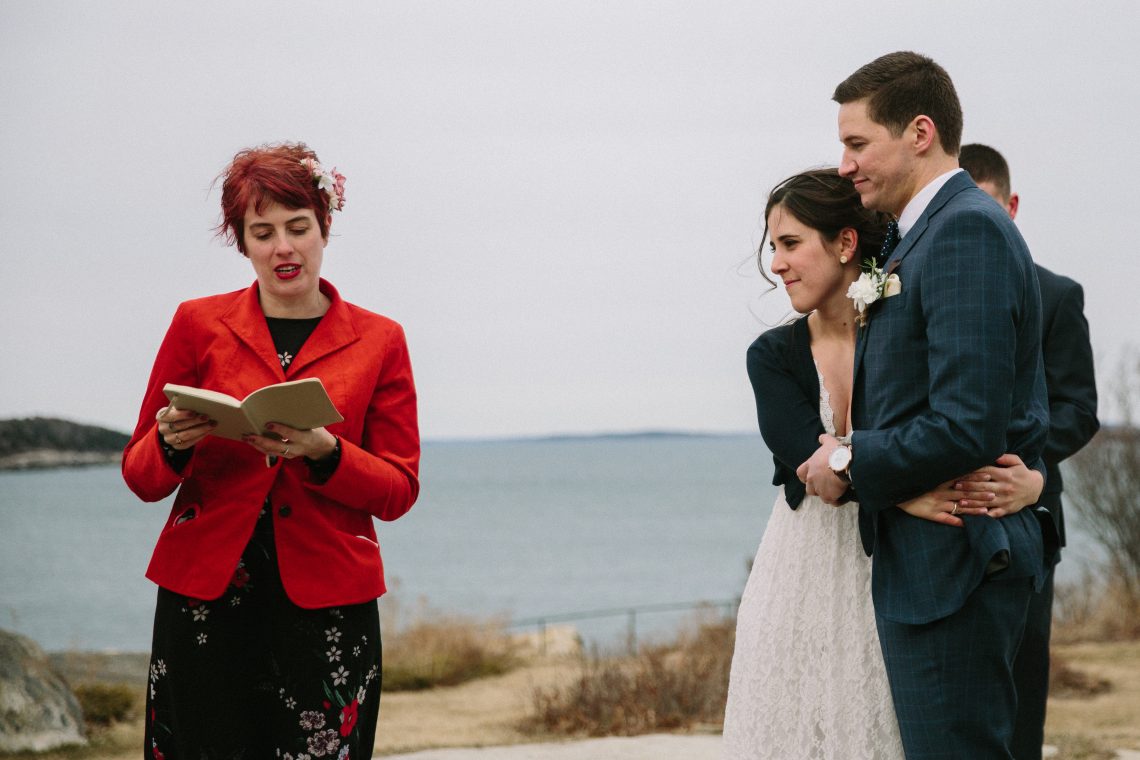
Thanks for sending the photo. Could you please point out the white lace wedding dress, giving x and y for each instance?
(807, 679)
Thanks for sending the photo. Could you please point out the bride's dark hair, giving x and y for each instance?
(829, 204)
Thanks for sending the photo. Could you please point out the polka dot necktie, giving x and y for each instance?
(890, 242)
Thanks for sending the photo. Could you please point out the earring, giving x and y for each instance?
(842, 259)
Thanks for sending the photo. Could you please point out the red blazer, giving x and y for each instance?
(326, 543)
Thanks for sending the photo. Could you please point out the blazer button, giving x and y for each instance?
(284, 510)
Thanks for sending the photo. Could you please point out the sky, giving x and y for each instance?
(560, 201)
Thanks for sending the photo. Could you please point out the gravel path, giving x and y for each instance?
(653, 747)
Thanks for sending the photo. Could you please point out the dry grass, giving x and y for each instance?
(1067, 682)
(1080, 748)
(483, 713)
(119, 741)
(1109, 718)
(444, 652)
(424, 648)
(490, 711)
(104, 704)
(666, 687)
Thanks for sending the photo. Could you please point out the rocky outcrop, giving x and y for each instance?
(39, 442)
(37, 709)
(42, 459)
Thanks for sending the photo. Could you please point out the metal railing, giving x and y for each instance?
(540, 623)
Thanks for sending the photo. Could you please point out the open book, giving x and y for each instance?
(301, 404)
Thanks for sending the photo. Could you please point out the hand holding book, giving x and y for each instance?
(292, 413)
(181, 429)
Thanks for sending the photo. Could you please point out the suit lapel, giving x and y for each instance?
(335, 331)
(247, 322)
(860, 347)
(953, 186)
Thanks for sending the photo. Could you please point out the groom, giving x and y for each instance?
(948, 376)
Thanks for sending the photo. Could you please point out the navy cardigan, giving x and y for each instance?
(786, 385)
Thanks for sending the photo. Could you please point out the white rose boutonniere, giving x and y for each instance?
(872, 285)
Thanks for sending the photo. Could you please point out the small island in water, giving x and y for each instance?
(41, 442)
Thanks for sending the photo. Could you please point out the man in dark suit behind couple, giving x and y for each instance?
(948, 377)
(1070, 380)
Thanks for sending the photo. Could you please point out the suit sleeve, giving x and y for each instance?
(1069, 378)
(381, 474)
(789, 420)
(146, 469)
(974, 307)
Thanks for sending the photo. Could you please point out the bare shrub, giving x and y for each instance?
(1103, 484)
(1106, 481)
(668, 686)
(1076, 607)
(1097, 608)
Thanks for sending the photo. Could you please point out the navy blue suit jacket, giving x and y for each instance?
(948, 377)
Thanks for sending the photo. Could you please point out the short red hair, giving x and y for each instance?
(269, 174)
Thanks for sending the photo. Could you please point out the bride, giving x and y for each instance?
(807, 678)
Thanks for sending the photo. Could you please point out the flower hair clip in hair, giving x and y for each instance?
(331, 182)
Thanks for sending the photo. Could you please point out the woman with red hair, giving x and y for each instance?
(266, 633)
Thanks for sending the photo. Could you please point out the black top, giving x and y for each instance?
(786, 385)
(289, 335)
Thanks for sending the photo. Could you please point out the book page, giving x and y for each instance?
(301, 404)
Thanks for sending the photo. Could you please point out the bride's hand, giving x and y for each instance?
(943, 504)
(1003, 488)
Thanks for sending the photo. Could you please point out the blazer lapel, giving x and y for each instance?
(335, 331)
(247, 321)
(953, 186)
(860, 347)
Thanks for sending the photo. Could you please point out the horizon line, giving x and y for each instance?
(554, 437)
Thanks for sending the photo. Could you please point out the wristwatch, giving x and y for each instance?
(840, 461)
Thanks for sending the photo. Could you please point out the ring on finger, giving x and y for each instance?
(954, 511)
(285, 453)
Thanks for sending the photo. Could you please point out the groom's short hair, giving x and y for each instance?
(900, 86)
(984, 164)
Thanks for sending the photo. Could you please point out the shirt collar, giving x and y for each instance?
(920, 201)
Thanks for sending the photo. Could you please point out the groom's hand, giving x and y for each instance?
(818, 476)
(1003, 488)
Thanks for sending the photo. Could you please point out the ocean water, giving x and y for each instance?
(510, 530)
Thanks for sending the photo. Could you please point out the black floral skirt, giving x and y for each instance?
(251, 675)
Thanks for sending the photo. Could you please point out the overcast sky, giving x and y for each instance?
(559, 201)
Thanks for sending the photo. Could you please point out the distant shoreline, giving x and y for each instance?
(48, 459)
(29, 456)
(43, 443)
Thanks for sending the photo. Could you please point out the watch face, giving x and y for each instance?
(839, 458)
